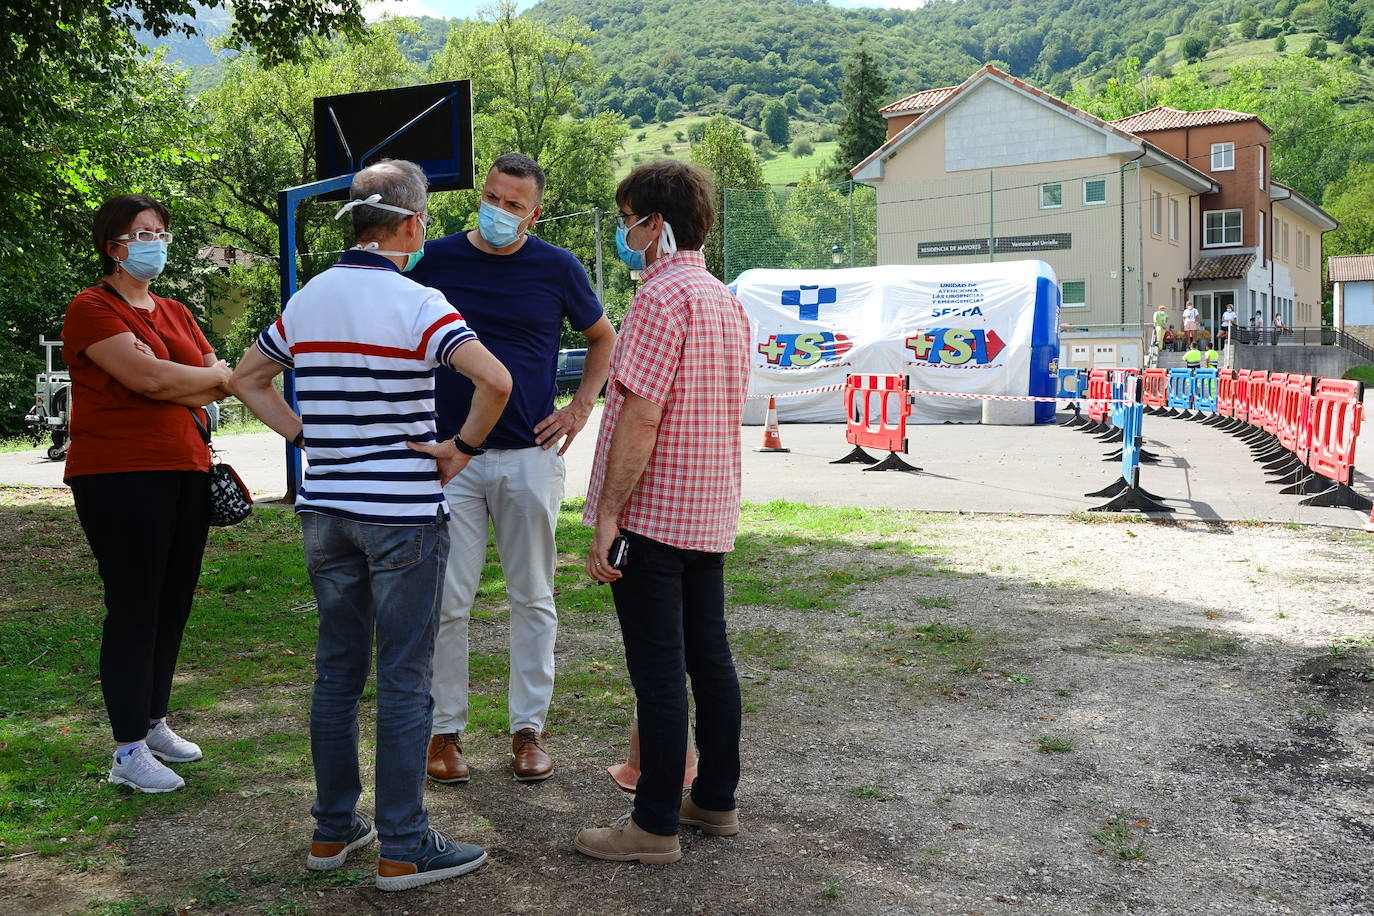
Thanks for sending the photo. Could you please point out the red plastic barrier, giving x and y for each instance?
(1258, 381)
(877, 407)
(1099, 394)
(1226, 392)
(1242, 409)
(1273, 394)
(1155, 390)
(1293, 408)
(1337, 411)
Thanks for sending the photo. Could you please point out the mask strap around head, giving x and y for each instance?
(373, 200)
(667, 243)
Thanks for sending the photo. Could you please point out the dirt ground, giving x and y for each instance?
(1043, 715)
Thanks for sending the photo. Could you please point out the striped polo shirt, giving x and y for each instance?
(363, 340)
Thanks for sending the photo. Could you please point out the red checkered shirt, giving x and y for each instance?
(684, 345)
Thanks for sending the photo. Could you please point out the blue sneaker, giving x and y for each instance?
(438, 859)
(327, 854)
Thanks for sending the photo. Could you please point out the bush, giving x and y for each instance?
(667, 147)
(696, 131)
(1281, 44)
(667, 110)
(1194, 47)
(827, 135)
(802, 148)
(679, 136)
(1317, 47)
(635, 122)
(641, 136)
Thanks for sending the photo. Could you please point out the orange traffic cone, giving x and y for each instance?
(772, 441)
(626, 775)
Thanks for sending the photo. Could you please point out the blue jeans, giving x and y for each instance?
(383, 580)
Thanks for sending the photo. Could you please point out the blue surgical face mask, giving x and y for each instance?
(145, 260)
(634, 259)
(412, 257)
(497, 227)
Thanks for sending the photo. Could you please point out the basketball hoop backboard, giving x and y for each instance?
(431, 125)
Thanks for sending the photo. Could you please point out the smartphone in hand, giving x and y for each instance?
(619, 554)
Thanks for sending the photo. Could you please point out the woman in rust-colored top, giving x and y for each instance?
(138, 470)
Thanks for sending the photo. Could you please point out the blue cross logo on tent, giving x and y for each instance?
(809, 300)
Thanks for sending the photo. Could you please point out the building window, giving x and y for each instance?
(1307, 249)
(1260, 247)
(1223, 157)
(1051, 196)
(1260, 150)
(1284, 240)
(1156, 212)
(1173, 220)
(1094, 191)
(1074, 294)
(1221, 228)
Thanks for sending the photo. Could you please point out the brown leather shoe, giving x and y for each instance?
(446, 763)
(628, 842)
(716, 823)
(532, 762)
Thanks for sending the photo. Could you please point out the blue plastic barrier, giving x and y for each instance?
(1118, 409)
(1132, 422)
(1205, 390)
(1073, 383)
(1181, 389)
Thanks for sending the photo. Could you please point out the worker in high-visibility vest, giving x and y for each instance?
(1211, 359)
(1193, 358)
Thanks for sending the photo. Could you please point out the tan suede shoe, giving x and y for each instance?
(446, 763)
(532, 762)
(716, 823)
(627, 842)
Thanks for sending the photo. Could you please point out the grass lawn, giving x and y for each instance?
(243, 680)
(782, 168)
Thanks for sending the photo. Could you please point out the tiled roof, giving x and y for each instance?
(918, 101)
(1344, 268)
(1165, 118)
(1226, 267)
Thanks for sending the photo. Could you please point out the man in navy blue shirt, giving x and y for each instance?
(515, 291)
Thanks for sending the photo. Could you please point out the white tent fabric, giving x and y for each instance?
(971, 328)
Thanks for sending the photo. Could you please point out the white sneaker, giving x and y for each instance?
(144, 773)
(166, 745)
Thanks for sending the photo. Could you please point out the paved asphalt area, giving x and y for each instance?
(1203, 473)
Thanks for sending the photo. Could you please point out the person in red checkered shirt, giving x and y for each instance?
(666, 479)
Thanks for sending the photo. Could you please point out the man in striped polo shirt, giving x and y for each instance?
(364, 341)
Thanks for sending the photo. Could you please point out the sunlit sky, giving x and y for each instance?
(462, 9)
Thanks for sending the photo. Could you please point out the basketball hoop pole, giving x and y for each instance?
(287, 203)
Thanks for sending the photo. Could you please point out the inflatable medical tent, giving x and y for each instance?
(970, 328)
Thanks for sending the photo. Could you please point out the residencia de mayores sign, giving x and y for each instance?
(1007, 244)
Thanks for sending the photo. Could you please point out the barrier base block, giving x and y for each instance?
(1132, 499)
(1289, 477)
(1119, 487)
(1114, 456)
(1306, 485)
(1114, 435)
(1148, 457)
(1338, 495)
(893, 462)
(857, 456)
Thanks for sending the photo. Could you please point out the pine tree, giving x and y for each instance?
(863, 130)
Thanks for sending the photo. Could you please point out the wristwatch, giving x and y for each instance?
(467, 449)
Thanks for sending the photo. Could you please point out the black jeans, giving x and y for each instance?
(671, 605)
(147, 530)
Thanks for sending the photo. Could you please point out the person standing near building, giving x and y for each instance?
(1280, 327)
(364, 341)
(1161, 326)
(666, 479)
(1228, 323)
(1190, 324)
(515, 290)
(1258, 325)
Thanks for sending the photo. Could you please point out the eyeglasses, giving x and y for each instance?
(146, 235)
(426, 220)
(625, 220)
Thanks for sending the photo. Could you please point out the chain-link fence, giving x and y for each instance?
(806, 226)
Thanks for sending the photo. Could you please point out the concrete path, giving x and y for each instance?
(1204, 474)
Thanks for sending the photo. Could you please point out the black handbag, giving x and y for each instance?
(230, 501)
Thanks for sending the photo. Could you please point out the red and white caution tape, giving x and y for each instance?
(945, 394)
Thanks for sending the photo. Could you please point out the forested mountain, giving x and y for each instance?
(730, 56)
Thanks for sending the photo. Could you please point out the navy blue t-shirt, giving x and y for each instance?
(516, 303)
